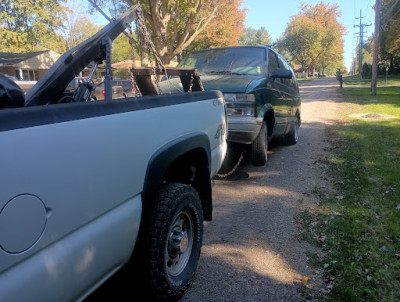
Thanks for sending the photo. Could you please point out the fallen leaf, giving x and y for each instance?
(369, 278)
(321, 238)
(307, 279)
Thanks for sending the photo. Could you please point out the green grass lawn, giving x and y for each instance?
(366, 81)
(304, 79)
(360, 225)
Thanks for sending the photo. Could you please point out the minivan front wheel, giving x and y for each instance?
(259, 148)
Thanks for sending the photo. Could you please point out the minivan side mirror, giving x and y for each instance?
(281, 73)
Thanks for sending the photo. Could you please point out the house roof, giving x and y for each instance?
(10, 59)
(298, 68)
(127, 64)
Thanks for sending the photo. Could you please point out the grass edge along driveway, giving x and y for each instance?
(358, 226)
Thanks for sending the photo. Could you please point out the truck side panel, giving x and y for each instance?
(81, 169)
(80, 258)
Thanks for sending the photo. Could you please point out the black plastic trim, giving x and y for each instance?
(17, 118)
(162, 160)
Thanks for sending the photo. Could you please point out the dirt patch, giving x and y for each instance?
(371, 116)
(252, 249)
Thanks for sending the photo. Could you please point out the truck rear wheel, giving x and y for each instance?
(175, 240)
(259, 147)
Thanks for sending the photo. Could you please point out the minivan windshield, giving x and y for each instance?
(235, 60)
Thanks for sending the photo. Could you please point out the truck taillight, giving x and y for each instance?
(122, 91)
(103, 92)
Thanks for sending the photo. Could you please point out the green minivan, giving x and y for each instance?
(260, 90)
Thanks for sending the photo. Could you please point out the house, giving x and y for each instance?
(299, 71)
(30, 66)
(27, 68)
(120, 69)
(127, 64)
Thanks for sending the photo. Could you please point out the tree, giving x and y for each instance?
(121, 49)
(253, 36)
(77, 26)
(314, 37)
(223, 30)
(302, 39)
(31, 25)
(79, 30)
(390, 32)
(175, 24)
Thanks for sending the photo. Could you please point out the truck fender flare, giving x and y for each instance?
(165, 157)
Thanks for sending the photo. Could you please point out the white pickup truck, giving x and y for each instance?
(87, 184)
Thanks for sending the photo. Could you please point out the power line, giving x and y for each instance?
(361, 43)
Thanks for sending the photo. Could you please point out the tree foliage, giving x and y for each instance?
(390, 32)
(314, 39)
(121, 49)
(31, 25)
(224, 29)
(77, 26)
(175, 24)
(302, 39)
(79, 30)
(252, 36)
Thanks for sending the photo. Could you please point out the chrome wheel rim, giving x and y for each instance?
(180, 243)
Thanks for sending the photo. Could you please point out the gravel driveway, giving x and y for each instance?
(251, 249)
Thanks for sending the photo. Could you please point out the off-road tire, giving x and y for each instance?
(259, 148)
(178, 212)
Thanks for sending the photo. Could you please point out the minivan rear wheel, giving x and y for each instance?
(293, 136)
(259, 148)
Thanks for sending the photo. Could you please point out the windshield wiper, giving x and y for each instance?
(223, 72)
(218, 72)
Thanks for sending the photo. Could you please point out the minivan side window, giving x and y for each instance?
(272, 61)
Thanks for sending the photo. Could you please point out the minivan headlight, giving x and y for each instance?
(240, 104)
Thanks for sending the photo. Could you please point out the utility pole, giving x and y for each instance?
(360, 53)
(374, 78)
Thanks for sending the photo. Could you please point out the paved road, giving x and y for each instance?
(251, 249)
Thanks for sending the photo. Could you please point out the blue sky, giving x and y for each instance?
(274, 16)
